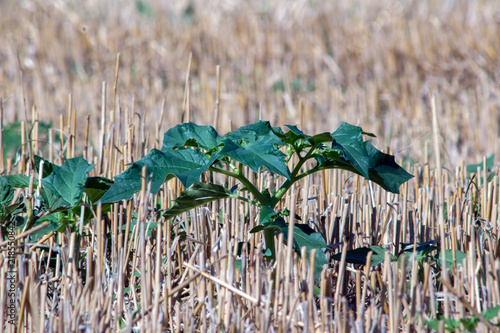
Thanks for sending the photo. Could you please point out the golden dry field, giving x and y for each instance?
(104, 80)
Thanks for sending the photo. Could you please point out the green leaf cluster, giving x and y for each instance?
(61, 194)
(189, 150)
(469, 324)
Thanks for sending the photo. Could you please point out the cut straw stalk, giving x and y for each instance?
(439, 181)
(223, 284)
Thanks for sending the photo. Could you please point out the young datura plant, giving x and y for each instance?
(188, 151)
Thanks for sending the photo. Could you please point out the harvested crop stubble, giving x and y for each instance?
(106, 80)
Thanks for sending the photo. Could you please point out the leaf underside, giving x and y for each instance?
(197, 195)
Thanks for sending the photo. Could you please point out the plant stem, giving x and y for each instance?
(309, 172)
(269, 239)
(302, 160)
(239, 175)
(255, 203)
(293, 178)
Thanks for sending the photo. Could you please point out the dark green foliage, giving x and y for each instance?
(64, 183)
(189, 150)
(358, 256)
(469, 323)
(12, 137)
(196, 195)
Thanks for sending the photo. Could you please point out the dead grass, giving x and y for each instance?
(309, 63)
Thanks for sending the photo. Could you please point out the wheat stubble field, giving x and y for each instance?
(88, 88)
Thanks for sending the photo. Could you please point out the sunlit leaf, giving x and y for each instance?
(65, 181)
(185, 164)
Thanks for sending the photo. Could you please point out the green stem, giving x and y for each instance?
(269, 234)
(293, 178)
(255, 203)
(309, 172)
(224, 172)
(269, 239)
(239, 175)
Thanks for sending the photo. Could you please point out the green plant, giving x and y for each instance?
(467, 324)
(12, 138)
(188, 151)
(57, 201)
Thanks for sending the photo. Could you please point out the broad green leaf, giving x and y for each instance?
(295, 130)
(378, 255)
(55, 220)
(256, 146)
(384, 170)
(349, 140)
(65, 181)
(459, 256)
(95, 187)
(47, 166)
(260, 130)
(491, 313)
(197, 195)
(267, 215)
(18, 181)
(258, 228)
(257, 154)
(53, 201)
(320, 138)
(449, 324)
(358, 256)
(311, 241)
(293, 136)
(472, 168)
(6, 192)
(6, 197)
(278, 225)
(185, 164)
(12, 136)
(190, 135)
(303, 235)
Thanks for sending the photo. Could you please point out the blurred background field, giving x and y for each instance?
(371, 64)
(106, 79)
